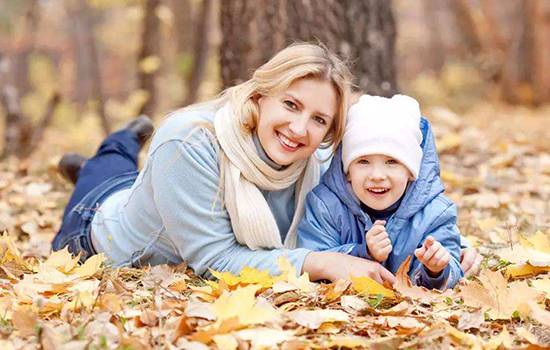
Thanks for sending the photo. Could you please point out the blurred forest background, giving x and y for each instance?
(73, 70)
(78, 68)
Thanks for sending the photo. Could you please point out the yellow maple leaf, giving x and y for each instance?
(247, 275)
(288, 273)
(82, 300)
(487, 224)
(62, 260)
(542, 284)
(495, 297)
(539, 241)
(91, 266)
(525, 270)
(241, 303)
(368, 286)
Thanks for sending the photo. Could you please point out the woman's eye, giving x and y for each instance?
(320, 120)
(291, 104)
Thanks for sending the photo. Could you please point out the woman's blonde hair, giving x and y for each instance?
(298, 61)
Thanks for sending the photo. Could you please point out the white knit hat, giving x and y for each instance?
(388, 126)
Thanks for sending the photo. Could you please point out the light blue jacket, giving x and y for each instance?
(334, 219)
(172, 212)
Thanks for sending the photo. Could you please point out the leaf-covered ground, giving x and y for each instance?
(496, 167)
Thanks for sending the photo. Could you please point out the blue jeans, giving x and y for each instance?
(113, 168)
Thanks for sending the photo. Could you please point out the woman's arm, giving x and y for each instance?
(185, 181)
(334, 266)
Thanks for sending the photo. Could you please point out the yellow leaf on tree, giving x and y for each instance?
(368, 286)
(150, 64)
(62, 260)
(91, 266)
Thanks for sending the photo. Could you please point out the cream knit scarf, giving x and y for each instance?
(244, 173)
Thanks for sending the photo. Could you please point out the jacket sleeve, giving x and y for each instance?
(444, 230)
(185, 178)
(319, 231)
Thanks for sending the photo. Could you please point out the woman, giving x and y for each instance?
(224, 182)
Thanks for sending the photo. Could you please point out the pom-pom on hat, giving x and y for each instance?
(387, 126)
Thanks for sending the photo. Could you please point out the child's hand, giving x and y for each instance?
(433, 255)
(378, 243)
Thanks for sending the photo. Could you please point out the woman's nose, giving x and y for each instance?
(298, 127)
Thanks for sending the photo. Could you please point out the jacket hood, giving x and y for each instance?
(419, 192)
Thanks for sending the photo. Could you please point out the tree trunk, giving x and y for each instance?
(88, 59)
(540, 14)
(363, 30)
(202, 43)
(468, 27)
(236, 47)
(436, 49)
(184, 24)
(369, 37)
(149, 49)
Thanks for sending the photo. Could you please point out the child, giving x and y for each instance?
(381, 197)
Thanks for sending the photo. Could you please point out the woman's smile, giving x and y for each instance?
(287, 144)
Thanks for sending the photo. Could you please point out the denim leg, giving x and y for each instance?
(118, 154)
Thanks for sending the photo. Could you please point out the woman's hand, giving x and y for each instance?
(334, 266)
(378, 241)
(470, 260)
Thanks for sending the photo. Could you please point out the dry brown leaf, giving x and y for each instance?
(404, 286)
(25, 322)
(470, 320)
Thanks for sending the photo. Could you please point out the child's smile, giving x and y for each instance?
(378, 180)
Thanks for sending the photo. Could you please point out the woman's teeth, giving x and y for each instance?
(287, 141)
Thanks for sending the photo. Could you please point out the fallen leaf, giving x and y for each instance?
(25, 322)
(404, 286)
(62, 260)
(368, 286)
(542, 284)
(469, 320)
(313, 319)
(90, 266)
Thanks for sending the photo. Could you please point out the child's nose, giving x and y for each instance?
(377, 174)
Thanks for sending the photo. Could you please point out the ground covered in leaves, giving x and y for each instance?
(496, 167)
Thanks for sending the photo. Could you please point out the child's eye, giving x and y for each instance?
(290, 104)
(320, 120)
(363, 161)
(391, 161)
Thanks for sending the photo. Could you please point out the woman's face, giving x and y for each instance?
(292, 124)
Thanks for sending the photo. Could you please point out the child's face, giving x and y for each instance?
(378, 180)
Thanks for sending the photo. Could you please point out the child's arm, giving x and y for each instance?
(319, 231)
(444, 231)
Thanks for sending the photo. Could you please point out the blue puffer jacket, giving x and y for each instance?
(334, 219)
